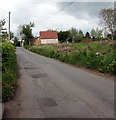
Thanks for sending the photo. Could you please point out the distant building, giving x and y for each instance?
(37, 41)
(47, 37)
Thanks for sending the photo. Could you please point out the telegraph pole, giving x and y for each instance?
(9, 28)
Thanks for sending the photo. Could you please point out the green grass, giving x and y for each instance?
(94, 56)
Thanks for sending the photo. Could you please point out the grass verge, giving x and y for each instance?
(94, 56)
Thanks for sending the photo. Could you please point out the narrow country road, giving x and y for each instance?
(50, 89)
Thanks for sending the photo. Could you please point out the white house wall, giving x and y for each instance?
(49, 41)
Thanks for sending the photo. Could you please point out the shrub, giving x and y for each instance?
(7, 92)
(9, 69)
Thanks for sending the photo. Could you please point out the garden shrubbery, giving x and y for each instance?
(94, 56)
(9, 71)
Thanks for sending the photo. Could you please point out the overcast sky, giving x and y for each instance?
(53, 15)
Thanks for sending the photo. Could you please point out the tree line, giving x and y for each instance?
(75, 35)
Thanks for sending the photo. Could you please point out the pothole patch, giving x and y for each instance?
(38, 75)
(47, 102)
(30, 68)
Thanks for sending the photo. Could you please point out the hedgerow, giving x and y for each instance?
(9, 71)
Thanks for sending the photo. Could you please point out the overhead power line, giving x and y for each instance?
(59, 11)
(65, 7)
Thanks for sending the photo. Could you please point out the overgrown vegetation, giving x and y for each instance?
(94, 56)
(9, 71)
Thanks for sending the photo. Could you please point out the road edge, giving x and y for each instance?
(2, 109)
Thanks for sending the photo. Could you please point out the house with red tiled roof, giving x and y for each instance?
(48, 37)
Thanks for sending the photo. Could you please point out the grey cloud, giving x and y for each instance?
(80, 9)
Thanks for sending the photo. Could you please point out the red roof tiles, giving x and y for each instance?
(48, 35)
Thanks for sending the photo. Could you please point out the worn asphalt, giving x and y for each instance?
(51, 89)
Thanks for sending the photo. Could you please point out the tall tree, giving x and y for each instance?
(74, 34)
(26, 32)
(3, 34)
(96, 33)
(11, 35)
(63, 36)
(80, 34)
(87, 35)
(93, 33)
(108, 20)
(2, 23)
(16, 42)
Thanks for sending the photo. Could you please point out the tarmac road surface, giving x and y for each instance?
(48, 88)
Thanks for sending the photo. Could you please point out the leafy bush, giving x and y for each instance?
(9, 70)
(7, 91)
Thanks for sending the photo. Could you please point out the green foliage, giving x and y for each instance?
(43, 51)
(6, 92)
(2, 33)
(11, 35)
(74, 34)
(63, 36)
(2, 23)
(96, 34)
(9, 70)
(26, 31)
(94, 56)
(80, 34)
(16, 42)
(87, 35)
